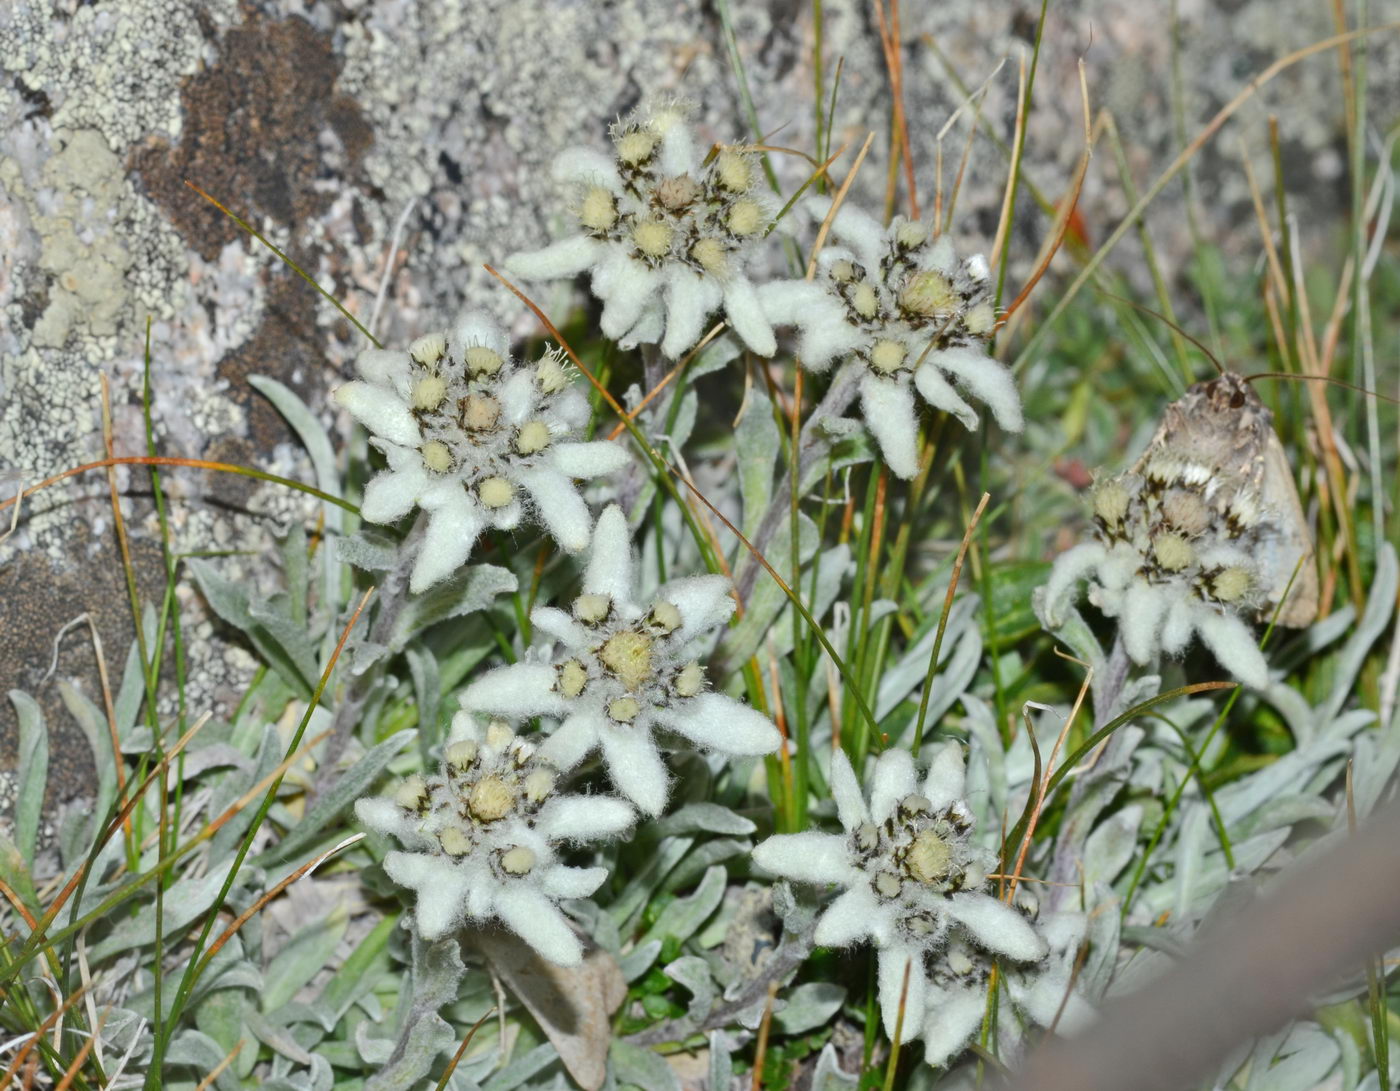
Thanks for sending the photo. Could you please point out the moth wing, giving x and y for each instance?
(1280, 553)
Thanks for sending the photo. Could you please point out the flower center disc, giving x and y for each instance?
(628, 655)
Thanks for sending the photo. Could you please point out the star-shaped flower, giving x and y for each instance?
(1041, 992)
(482, 834)
(666, 232)
(914, 879)
(900, 301)
(1174, 553)
(476, 440)
(620, 668)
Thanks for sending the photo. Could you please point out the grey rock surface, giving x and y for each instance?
(392, 147)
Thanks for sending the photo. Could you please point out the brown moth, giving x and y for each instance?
(1222, 424)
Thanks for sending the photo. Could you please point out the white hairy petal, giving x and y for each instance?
(715, 722)
(988, 379)
(579, 164)
(591, 459)
(746, 315)
(537, 920)
(1233, 644)
(482, 888)
(808, 857)
(558, 261)
(818, 313)
(380, 412)
(888, 409)
(690, 299)
(893, 962)
(1140, 622)
(441, 888)
(561, 626)
(517, 397)
(609, 569)
(647, 330)
(383, 816)
(635, 766)
(939, 393)
(704, 602)
(677, 154)
(454, 525)
(385, 367)
(572, 882)
(946, 774)
(845, 790)
(1178, 627)
(996, 926)
(506, 518)
(520, 689)
(1048, 995)
(558, 506)
(573, 739)
(389, 495)
(849, 919)
(583, 818)
(858, 230)
(477, 329)
(953, 1018)
(893, 780)
(630, 286)
(1069, 568)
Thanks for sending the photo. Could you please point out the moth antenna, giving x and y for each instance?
(1321, 379)
(1168, 322)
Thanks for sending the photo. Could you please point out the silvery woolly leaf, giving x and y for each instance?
(186, 899)
(756, 446)
(522, 1068)
(628, 905)
(908, 672)
(423, 1034)
(33, 773)
(639, 960)
(472, 588)
(302, 957)
(809, 1006)
(694, 974)
(284, 647)
(682, 918)
(1380, 605)
(1109, 848)
(704, 818)
(316, 824)
(572, 1005)
(641, 1068)
(370, 550)
(829, 1076)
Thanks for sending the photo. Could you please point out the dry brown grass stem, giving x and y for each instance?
(760, 1053)
(894, 62)
(1004, 220)
(836, 201)
(218, 1070)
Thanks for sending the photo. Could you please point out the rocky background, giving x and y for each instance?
(392, 147)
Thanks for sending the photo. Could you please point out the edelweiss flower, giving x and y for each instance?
(902, 303)
(621, 669)
(1175, 554)
(912, 875)
(1042, 992)
(665, 231)
(483, 832)
(472, 437)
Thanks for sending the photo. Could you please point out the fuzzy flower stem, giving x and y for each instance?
(393, 596)
(838, 398)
